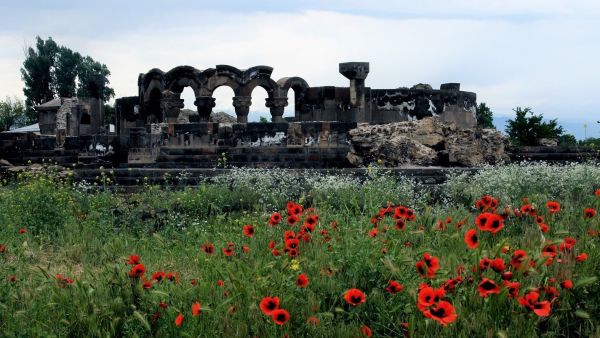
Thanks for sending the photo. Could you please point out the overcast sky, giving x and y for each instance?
(538, 53)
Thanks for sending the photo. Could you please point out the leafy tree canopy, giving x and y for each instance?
(527, 128)
(484, 116)
(50, 70)
(12, 114)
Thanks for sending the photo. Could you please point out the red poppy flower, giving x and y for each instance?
(22, 231)
(518, 258)
(245, 248)
(196, 307)
(280, 316)
(443, 312)
(471, 239)
(553, 207)
(292, 219)
(373, 232)
(567, 284)
(293, 253)
(312, 320)
(158, 276)
(567, 244)
(507, 275)
(544, 227)
(427, 296)
(162, 305)
(428, 266)
(220, 283)
(539, 220)
(311, 221)
(529, 301)
(208, 248)
(497, 265)
(133, 260)
(549, 251)
(173, 276)
(302, 281)
(275, 252)
(513, 288)
(487, 287)
(308, 227)
(400, 224)
(248, 230)
(394, 287)
(366, 331)
(292, 243)
(228, 251)
(269, 304)
(288, 234)
(194, 281)
(589, 213)
(597, 192)
(354, 297)
(179, 320)
(137, 271)
(275, 219)
(2, 248)
(147, 285)
(484, 263)
(582, 257)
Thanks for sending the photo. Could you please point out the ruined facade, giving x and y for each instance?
(150, 132)
(159, 99)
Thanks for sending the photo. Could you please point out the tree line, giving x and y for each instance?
(50, 71)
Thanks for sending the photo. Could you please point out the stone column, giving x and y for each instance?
(277, 106)
(171, 106)
(205, 105)
(242, 107)
(356, 72)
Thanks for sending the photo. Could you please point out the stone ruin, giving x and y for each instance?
(151, 130)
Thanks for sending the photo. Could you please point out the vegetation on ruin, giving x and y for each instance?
(83, 259)
(50, 70)
(528, 127)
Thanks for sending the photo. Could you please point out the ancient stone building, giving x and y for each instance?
(159, 99)
(152, 131)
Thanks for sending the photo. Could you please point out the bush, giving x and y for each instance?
(527, 130)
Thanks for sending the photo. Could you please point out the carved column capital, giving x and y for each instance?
(242, 101)
(276, 102)
(205, 105)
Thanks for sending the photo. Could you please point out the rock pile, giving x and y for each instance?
(426, 142)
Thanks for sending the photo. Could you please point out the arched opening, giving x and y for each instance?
(290, 109)
(223, 96)
(258, 109)
(189, 113)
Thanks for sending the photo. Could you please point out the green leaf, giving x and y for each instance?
(582, 314)
(585, 281)
(142, 320)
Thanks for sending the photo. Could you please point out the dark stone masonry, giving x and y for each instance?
(151, 130)
(329, 129)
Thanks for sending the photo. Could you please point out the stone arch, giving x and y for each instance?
(184, 76)
(154, 79)
(299, 86)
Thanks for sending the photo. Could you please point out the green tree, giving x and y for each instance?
(485, 116)
(50, 70)
(37, 72)
(65, 72)
(527, 128)
(12, 114)
(567, 140)
(86, 70)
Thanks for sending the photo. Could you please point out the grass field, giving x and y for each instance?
(509, 252)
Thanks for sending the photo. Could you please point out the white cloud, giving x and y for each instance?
(547, 61)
